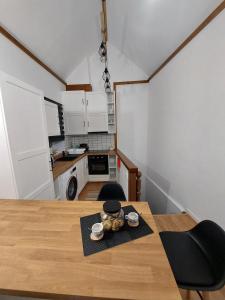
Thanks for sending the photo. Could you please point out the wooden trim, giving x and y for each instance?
(212, 16)
(129, 82)
(128, 163)
(104, 25)
(29, 53)
(79, 87)
(132, 187)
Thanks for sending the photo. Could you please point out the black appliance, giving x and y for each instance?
(98, 164)
(84, 146)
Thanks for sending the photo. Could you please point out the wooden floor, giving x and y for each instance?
(182, 222)
(90, 191)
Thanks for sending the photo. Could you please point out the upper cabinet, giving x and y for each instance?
(52, 117)
(97, 114)
(74, 104)
(85, 112)
(74, 101)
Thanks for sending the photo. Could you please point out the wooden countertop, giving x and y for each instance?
(62, 166)
(41, 255)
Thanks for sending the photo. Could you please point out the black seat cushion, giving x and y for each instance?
(189, 264)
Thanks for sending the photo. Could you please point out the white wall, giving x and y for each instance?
(186, 146)
(18, 64)
(175, 129)
(91, 68)
(133, 106)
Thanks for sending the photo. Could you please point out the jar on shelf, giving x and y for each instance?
(112, 215)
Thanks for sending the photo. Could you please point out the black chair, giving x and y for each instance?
(112, 191)
(197, 256)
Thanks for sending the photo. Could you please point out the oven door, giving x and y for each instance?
(71, 190)
(98, 164)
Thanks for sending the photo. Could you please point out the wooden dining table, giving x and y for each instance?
(41, 255)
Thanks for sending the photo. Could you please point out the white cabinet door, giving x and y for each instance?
(80, 175)
(97, 122)
(74, 101)
(75, 123)
(25, 124)
(74, 106)
(96, 102)
(97, 111)
(85, 170)
(52, 117)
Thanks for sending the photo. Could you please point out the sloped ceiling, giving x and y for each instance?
(63, 32)
(59, 32)
(148, 31)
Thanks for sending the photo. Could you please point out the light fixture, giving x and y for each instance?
(106, 74)
(102, 52)
(103, 48)
(107, 86)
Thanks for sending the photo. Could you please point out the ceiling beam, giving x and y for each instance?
(79, 87)
(209, 19)
(104, 26)
(29, 53)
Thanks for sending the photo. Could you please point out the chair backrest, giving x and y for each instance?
(211, 239)
(112, 191)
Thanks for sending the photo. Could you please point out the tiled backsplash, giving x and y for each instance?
(96, 141)
(58, 146)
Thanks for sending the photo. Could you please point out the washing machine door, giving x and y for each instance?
(71, 190)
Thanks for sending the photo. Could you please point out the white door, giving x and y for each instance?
(75, 123)
(97, 111)
(52, 117)
(25, 121)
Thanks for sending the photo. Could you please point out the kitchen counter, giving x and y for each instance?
(41, 255)
(62, 166)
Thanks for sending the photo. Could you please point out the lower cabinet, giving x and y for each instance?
(82, 173)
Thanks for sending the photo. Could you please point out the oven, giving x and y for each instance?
(98, 164)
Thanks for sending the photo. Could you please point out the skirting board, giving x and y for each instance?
(173, 202)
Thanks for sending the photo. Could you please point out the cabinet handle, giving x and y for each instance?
(84, 123)
(87, 102)
(82, 101)
(88, 123)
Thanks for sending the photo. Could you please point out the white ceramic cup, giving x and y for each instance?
(132, 219)
(97, 230)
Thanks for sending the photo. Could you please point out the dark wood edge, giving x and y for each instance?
(128, 163)
(116, 83)
(215, 13)
(132, 187)
(79, 87)
(29, 53)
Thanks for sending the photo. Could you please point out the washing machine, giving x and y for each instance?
(69, 185)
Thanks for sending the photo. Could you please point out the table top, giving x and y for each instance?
(41, 255)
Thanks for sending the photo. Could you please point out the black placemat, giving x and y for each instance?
(111, 239)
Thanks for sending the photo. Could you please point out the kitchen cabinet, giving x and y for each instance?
(85, 112)
(52, 118)
(25, 158)
(82, 173)
(97, 111)
(74, 123)
(75, 119)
